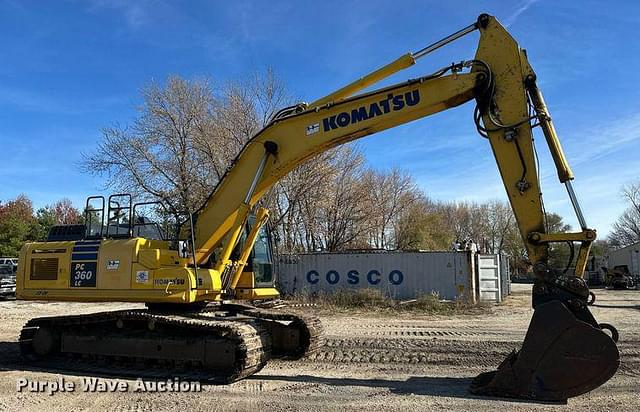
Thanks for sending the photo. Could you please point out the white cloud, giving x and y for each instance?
(524, 7)
(600, 141)
(135, 13)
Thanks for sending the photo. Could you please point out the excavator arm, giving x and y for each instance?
(565, 352)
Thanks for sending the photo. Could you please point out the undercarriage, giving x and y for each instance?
(221, 343)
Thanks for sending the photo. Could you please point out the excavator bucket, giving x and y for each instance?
(561, 357)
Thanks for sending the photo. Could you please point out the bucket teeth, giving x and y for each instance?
(561, 357)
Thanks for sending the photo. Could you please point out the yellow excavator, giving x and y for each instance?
(201, 319)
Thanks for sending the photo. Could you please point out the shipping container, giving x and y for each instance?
(401, 275)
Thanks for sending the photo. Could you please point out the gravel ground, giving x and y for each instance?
(371, 361)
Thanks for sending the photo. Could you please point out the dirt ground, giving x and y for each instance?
(372, 361)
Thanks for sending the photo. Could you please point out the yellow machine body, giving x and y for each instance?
(135, 270)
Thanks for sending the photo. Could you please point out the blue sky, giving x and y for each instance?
(71, 68)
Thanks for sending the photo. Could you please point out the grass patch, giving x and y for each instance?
(374, 299)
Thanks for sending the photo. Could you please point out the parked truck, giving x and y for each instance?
(7, 281)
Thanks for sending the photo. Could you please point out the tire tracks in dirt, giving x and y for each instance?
(444, 348)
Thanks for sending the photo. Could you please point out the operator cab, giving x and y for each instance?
(260, 261)
(122, 220)
(117, 217)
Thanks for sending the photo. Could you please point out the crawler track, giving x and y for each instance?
(308, 331)
(143, 344)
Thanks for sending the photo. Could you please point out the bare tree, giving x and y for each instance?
(184, 138)
(500, 220)
(626, 229)
(342, 212)
(157, 157)
(291, 204)
(319, 205)
(388, 195)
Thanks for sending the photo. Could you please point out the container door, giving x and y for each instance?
(635, 261)
(489, 278)
(505, 276)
